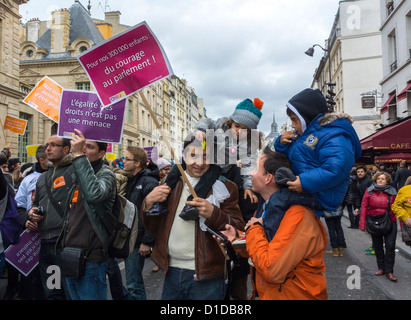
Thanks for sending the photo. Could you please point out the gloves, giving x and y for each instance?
(282, 175)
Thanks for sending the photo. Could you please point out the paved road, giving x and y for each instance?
(340, 270)
(371, 287)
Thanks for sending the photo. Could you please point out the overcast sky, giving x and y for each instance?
(227, 50)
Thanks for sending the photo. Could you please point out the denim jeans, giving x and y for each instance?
(48, 257)
(179, 284)
(117, 290)
(91, 286)
(336, 233)
(134, 276)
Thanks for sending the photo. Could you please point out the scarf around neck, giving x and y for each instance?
(274, 209)
(386, 188)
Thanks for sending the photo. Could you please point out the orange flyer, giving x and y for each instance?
(45, 98)
(15, 125)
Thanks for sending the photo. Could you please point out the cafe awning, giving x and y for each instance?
(395, 157)
(387, 104)
(403, 93)
(396, 137)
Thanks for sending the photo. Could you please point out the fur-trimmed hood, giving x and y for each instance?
(340, 123)
(331, 117)
(323, 156)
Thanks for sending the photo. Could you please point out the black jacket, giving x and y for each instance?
(59, 181)
(138, 187)
(400, 178)
(352, 196)
(362, 185)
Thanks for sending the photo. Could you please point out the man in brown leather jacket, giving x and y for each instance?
(190, 257)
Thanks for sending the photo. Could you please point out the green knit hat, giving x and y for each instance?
(248, 113)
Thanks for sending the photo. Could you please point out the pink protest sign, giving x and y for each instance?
(126, 63)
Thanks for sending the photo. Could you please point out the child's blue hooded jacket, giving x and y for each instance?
(323, 157)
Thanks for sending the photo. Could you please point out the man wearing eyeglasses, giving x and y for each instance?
(144, 178)
(49, 219)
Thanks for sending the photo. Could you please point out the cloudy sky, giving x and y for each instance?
(228, 50)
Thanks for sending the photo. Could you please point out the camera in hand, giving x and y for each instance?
(40, 211)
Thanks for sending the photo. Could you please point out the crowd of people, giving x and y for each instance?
(375, 193)
(192, 215)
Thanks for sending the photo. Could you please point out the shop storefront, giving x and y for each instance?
(392, 144)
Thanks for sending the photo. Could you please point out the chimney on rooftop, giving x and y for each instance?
(60, 30)
(113, 18)
(33, 29)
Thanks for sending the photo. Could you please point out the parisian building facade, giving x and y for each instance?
(50, 48)
(396, 44)
(353, 59)
(10, 93)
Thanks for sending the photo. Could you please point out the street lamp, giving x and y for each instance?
(330, 96)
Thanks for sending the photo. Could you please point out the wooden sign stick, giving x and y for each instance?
(159, 127)
(4, 133)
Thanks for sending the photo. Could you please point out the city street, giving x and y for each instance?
(208, 87)
(339, 272)
(371, 287)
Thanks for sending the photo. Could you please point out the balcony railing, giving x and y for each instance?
(393, 66)
(390, 7)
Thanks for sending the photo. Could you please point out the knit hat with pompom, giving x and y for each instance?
(248, 113)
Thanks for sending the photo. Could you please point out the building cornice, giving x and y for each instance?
(10, 92)
(366, 117)
(41, 63)
(7, 5)
(363, 35)
(363, 58)
(392, 74)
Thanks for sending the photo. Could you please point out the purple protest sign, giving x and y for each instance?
(83, 110)
(125, 63)
(24, 256)
(152, 153)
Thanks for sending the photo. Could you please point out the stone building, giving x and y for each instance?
(51, 47)
(353, 60)
(10, 94)
(391, 143)
(396, 44)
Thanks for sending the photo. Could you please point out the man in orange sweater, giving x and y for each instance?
(284, 240)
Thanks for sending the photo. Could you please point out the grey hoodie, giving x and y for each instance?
(221, 146)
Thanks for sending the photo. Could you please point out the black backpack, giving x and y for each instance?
(122, 225)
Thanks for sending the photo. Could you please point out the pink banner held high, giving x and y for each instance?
(126, 63)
